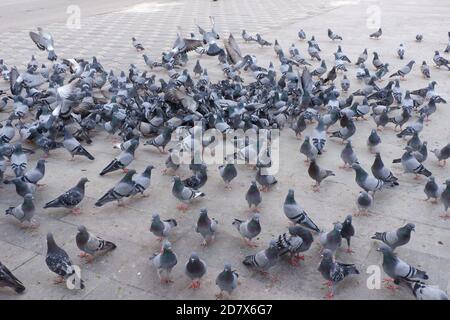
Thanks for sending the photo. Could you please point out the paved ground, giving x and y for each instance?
(126, 274)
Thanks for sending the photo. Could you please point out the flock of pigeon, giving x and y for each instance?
(62, 105)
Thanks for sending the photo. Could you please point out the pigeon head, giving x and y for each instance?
(327, 254)
(348, 219)
(338, 227)
(411, 227)
(256, 217)
(82, 229)
(50, 241)
(227, 267)
(167, 245)
(155, 216)
(194, 257)
(28, 197)
(385, 249)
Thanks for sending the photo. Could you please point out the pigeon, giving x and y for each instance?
(377, 34)
(377, 63)
(331, 76)
(183, 193)
(364, 202)
(122, 189)
(137, 45)
(397, 269)
(402, 72)
(320, 70)
(22, 187)
(401, 51)
(442, 154)
(333, 36)
(58, 261)
(247, 37)
(380, 171)
(253, 196)
(422, 291)
(419, 37)
(71, 198)
(227, 281)
(24, 212)
(308, 149)
(333, 271)
(19, 160)
(318, 174)
(44, 41)
(348, 231)
(332, 240)
(313, 51)
(206, 227)
(172, 162)
(425, 69)
(161, 228)
(122, 161)
(301, 34)
(298, 239)
(74, 147)
(348, 155)
(263, 260)
(445, 198)
(142, 181)
(248, 229)
(195, 269)
(296, 214)
(228, 172)
(91, 245)
(265, 180)
(161, 140)
(318, 136)
(261, 41)
(7, 279)
(411, 165)
(35, 175)
(362, 57)
(366, 182)
(345, 83)
(373, 141)
(440, 60)
(347, 130)
(432, 189)
(198, 70)
(412, 128)
(164, 261)
(396, 238)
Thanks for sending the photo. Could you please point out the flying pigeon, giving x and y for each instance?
(44, 41)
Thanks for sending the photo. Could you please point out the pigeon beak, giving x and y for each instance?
(378, 249)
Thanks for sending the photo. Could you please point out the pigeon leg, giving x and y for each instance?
(182, 207)
(125, 170)
(293, 261)
(82, 254)
(328, 283)
(76, 211)
(445, 216)
(219, 296)
(89, 258)
(58, 280)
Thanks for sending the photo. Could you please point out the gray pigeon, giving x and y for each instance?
(206, 227)
(318, 174)
(91, 245)
(122, 161)
(183, 193)
(422, 291)
(18, 160)
(24, 212)
(412, 165)
(22, 187)
(380, 171)
(333, 271)
(432, 190)
(253, 196)
(377, 34)
(442, 154)
(373, 141)
(161, 140)
(348, 155)
(265, 180)
(402, 72)
(71, 198)
(397, 269)
(198, 70)
(296, 214)
(364, 202)
(425, 69)
(366, 182)
(227, 281)
(7, 279)
(264, 259)
(33, 176)
(195, 269)
(248, 229)
(58, 261)
(228, 172)
(319, 136)
(161, 228)
(297, 240)
(396, 238)
(142, 181)
(44, 41)
(74, 147)
(308, 149)
(445, 198)
(122, 189)
(332, 240)
(165, 261)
